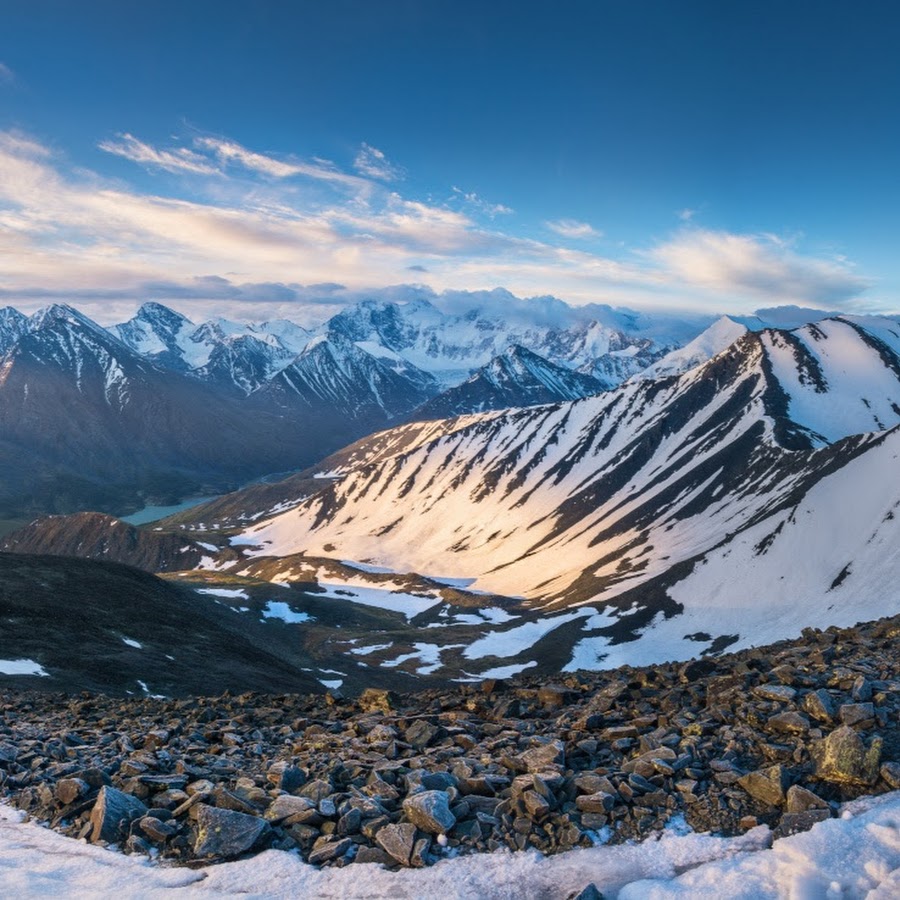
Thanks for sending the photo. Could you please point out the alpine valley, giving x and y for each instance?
(519, 486)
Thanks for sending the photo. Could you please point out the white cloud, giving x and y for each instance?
(763, 265)
(180, 159)
(687, 214)
(68, 232)
(371, 162)
(570, 228)
(6, 74)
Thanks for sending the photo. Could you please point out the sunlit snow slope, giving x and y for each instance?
(739, 487)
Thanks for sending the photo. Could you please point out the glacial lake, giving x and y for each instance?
(152, 513)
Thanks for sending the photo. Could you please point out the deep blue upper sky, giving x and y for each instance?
(707, 153)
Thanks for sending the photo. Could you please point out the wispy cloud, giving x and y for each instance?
(687, 214)
(180, 159)
(572, 229)
(371, 162)
(244, 224)
(6, 74)
(475, 202)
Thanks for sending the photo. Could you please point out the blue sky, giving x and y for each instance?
(672, 154)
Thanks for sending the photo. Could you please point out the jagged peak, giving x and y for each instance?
(153, 311)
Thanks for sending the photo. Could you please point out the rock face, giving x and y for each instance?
(465, 769)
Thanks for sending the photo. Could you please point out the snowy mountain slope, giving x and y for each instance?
(13, 325)
(613, 498)
(85, 421)
(515, 378)
(244, 362)
(334, 377)
(720, 335)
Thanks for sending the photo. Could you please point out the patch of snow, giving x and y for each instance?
(224, 592)
(506, 671)
(371, 648)
(277, 610)
(365, 567)
(132, 643)
(854, 856)
(515, 640)
(21, 667)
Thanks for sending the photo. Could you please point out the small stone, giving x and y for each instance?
(766, 785)
(820, 705)
(799, 799)
(862, 689)
(158, 832)
(792, 823)
(780, 692)
(372, 855)
(378, 699)
(327, 848)
(225, 833)
(68, 790)
(588, 893)
(430, 811)
(890, 772)
(537, 806)
(544, 756)
(599, 802)
(855, 713)
(789, 722)
(286, 805)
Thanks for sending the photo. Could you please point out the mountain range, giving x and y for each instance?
(743, 490)
(159, 407)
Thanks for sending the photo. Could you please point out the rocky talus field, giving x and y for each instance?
(778, 735)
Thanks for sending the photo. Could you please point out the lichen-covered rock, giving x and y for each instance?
(224, 833)
(843, 758)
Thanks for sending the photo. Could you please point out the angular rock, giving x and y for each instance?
(799, 799)
(789, 722)
(766, 785)
(113, 813)
(225, 833)
(68, 790)
(820, 705)
(327, 848)
(543, 756)
(779, 692)
(843, 758)
(398, 841)
(430, 811)
(890, 772)
(286, 805)
(587, 893)
(856, 713)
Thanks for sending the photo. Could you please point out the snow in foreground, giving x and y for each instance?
(855, 856)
